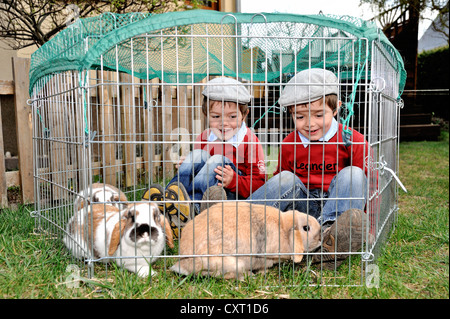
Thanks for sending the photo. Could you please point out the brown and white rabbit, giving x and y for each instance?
(242, 228)
(112, 234)
(100, 193)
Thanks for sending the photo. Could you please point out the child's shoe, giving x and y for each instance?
(155, 193)
(179, 213)
(213, 193)
(346, 234)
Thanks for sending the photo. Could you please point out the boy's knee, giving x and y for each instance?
(287, 177)
(353, 172)
(354, 176)
(218, 160)
(199, 156)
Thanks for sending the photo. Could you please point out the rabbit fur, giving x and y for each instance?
(259, 229)
(106, 231)
(100, 193)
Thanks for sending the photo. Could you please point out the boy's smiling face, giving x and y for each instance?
(225, 121)
(313, 120)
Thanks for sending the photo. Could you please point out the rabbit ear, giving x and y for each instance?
(297, 243)
(168, 230)
(82, 203)
(156, 214)
(165, 224)
(291, 221)
(119, 230)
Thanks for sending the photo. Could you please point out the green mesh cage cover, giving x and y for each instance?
(186, 46)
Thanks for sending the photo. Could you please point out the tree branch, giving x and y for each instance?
(27, 22)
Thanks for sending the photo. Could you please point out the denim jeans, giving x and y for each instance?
(196, 173)
(286, 191)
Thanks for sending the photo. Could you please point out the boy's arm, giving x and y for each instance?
(254, 175)
(361, 152)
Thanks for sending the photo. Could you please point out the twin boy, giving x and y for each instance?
(316, 173)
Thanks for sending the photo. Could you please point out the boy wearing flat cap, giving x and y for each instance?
(317, 173)
(227, 161)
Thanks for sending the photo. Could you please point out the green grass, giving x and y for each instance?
(414, 263)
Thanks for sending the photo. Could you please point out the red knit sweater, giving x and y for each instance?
(317, 164)
(248, 158)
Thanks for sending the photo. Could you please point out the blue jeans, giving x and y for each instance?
(286, 191)
(196, 173)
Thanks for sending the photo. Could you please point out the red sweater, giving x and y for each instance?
(248, 157)
(317, 164)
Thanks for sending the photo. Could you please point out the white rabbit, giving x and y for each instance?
(231, 231)
(105, 231)
(100, 193)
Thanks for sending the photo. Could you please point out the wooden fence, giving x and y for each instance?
(24, 177)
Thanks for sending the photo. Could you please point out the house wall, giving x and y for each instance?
(5, 61)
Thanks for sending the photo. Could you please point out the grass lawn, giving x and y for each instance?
(414, 264)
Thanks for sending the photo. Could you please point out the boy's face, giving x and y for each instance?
(226, 120)
(313, 121)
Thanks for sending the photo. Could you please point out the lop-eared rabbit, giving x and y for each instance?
(244, 228)
(100, 193)
(105, 231)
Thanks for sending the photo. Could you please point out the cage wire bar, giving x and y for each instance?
(117, 99)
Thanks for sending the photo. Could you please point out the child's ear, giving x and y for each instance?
(339, 104)
(244, 116)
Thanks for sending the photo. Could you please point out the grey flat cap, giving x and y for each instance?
(313, 85)
(227, 89)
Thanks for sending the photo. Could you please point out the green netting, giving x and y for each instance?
(184, 47)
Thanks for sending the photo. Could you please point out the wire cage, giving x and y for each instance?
(117, 99)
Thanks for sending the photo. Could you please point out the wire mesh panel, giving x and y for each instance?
(164, 144)
(384, 139)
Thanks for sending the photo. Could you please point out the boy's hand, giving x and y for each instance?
(182, 158)
(224, 175)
